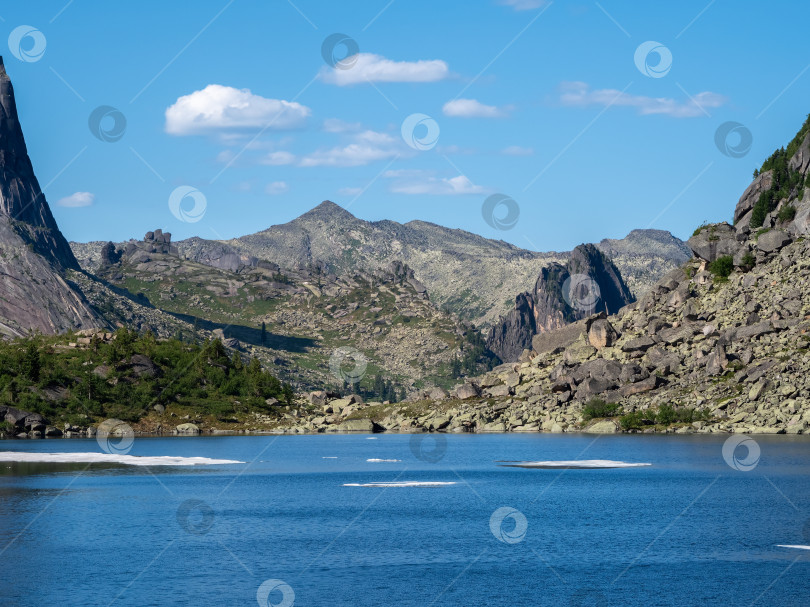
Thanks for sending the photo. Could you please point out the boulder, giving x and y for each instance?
(640, 387)
(605, 426)
(638, 344)
(437, 394)
(713, 241)
(498, 391)
(601, 334)
(317, 397)
(773, 240)
(466, 391)
(751, 195)
(553, 341)
(187, 428)
(357, 425)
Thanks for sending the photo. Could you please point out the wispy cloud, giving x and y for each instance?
(417, 182)
(524, 5)
(471, 108)
(79, 199)
(516, 150)
(277, 187)
(219, 109)
(369, 67)
(278, 158)
(364, 148)
(579, 94)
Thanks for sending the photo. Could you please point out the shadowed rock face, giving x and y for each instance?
(33, 253)
(21, 200)
(587, 283)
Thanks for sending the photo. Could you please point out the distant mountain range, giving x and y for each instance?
(474, 277)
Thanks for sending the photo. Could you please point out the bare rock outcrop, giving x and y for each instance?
(563, 294)
(34, 256)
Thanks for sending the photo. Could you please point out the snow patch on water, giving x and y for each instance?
(574, 464)
(110, 458)
(795, 546)
(402, 484)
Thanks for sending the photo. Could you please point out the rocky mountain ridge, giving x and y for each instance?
(474, 277)
(563, 294)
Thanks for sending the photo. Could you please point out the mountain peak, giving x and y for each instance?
(328, 210)
(21, 198)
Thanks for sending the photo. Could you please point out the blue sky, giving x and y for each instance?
(543, 102)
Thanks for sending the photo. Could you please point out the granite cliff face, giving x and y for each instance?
(34, 256)
(587, 283)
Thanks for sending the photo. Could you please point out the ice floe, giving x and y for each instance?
(110, 458)
(377, 461)
(795, 546)
(574, 464)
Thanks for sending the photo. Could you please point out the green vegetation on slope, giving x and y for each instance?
(124, 377)
(786, 181)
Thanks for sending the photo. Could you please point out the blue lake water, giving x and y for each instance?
(688, 530)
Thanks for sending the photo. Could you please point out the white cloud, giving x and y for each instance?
(424, 183)
(336, 125)
(376, 68)
(365, 148)
(350, 191)
(218, 108)
(471, 108)
(516, 150)
(277, 158)
(79, 199)
(276, 187)
(579, 94)
(524, 5)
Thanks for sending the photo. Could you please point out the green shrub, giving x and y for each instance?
(749, 260)
(722, 266)
(700, 228)
(632, 421)
(596, 407)
(787, 213)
